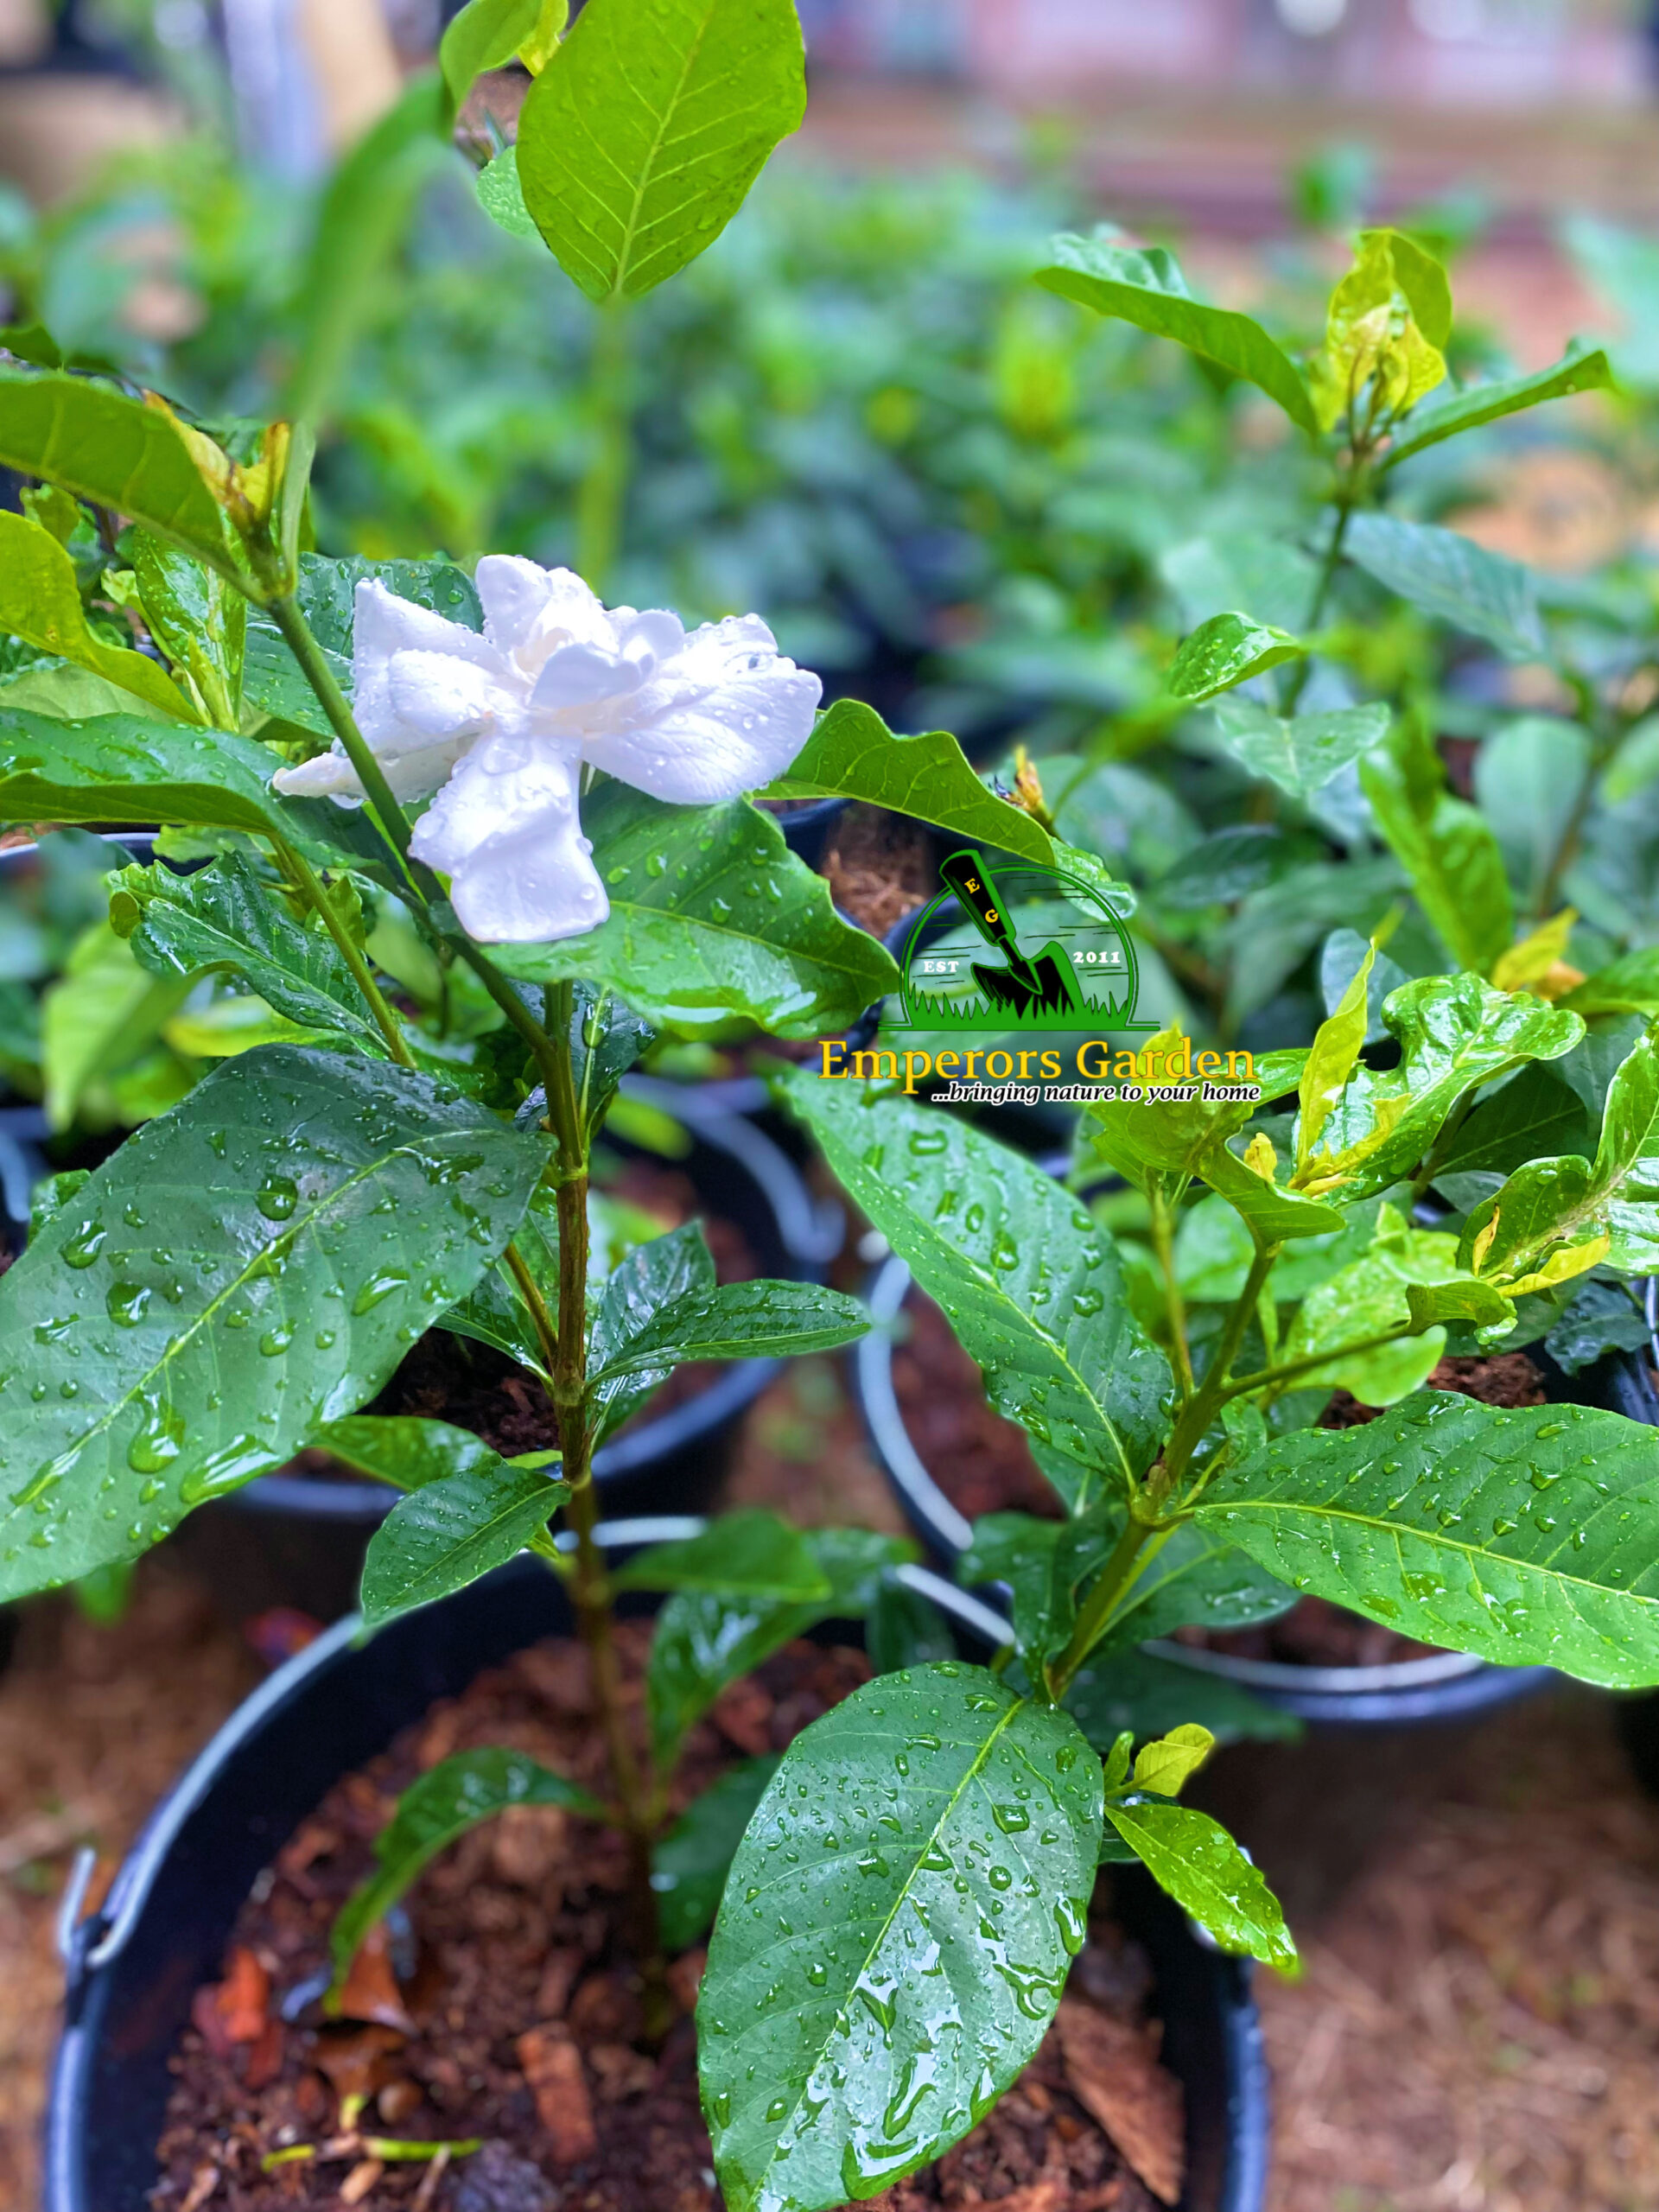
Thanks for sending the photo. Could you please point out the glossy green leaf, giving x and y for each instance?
(642, 136)
(364, 210)
(1030, 1283)
(903, 1628)
(1228, 649)
(1147, 289)
(502, 197)
(448, 1531)
(740, 1321)
(1449, 852)
(1452, 579)
(1627, 985)
(1042, 1562)
(1489, 403)
(39, 602)
(111, 451)
(1366, 1299)
(703, 1639)
(483, 35)
(405, 1450)
(1204, 1869)
(1193, 1581)
(654, 1275)
(1528, 1537)
(1331, 1059)
(1603, 1317)
(711, 916)
(1460, 1298)
(119, 768)
(1300, 753)
(689, 1864)
(1276, 1214)
(456, 1795)
(750, 1554)
(257, 1260)
(1455, 1033)
(225, 918)
(853, 755)
(1146, 1694)
(198, 620)
(1530, 1118)
(926, 1810)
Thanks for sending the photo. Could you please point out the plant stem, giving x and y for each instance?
(603, 491)
(1202, 1408)
(1114, 1579)
(306, 876)
(1163, 1245)
(1293, 1368)
(388, 814)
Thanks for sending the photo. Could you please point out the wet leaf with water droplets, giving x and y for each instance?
(247, 1326)
(946, 1945)
(1423, 1519)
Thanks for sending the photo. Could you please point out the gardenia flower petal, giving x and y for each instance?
(504, 829)
(725, 714)
(508, 718)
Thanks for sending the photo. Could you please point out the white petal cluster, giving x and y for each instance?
(500, 725)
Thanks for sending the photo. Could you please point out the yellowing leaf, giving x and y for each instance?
(1335, 1050)
(1163, 1767)
(40, 602)
(1373, 337)
(1528, 962)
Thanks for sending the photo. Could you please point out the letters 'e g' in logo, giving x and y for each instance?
(1084, 974)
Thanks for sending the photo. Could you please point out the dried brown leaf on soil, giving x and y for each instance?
(1113, 2074)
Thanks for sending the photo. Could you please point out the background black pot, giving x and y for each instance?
(1447, 1685)
(134, 1965)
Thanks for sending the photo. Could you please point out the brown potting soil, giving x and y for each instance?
(983, 1464)
(879, 868)
(444, 1376)
(503, 2007)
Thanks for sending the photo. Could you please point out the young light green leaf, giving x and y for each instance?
(853, 755)
(257, 1260)
(502, 197)
(711, 916)
(1446, 849)
(456, 1795)
(1204, 1869)
(1147, 289)
(747, 1554)
(39, 602)
(483, 35)
(1376, 337)
(224, 917)
(1488, 403)
(1368, 1297)
(689, 1864)
(1228, 649)
(1452, 579)
(1162, 1139)
(924, 1807)
(1274, 1213)
(740, 1321)
(1166, 1765)
(1627, 985)
(112, 451)
(198, 620)
(1528, 1537)
(641, 137)
(98, 1019)
(1031, 1284)
(1332, 1058)
(1463, 1298)
(1302, 754)
(446, 1532)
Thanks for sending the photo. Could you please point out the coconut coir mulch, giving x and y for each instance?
(503, 2005)
(983, 1464)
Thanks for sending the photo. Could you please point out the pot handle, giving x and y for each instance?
(77, 1936)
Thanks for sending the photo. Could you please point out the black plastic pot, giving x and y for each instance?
(1447, 1685)
(291, 1539)
(133, 1965)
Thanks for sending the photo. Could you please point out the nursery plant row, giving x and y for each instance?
(1254, 1113)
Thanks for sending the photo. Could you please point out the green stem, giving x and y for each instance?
(1207, 1400)
(1290, 1371)
(306, 877)
(1115, 1578)
(1163, 1245)
(388, 816)
(603, 491)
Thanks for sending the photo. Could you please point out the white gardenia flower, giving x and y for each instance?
(499, 726)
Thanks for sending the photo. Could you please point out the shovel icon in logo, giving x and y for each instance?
(1043, 984)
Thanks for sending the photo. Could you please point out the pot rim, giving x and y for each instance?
(1321, 1693)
